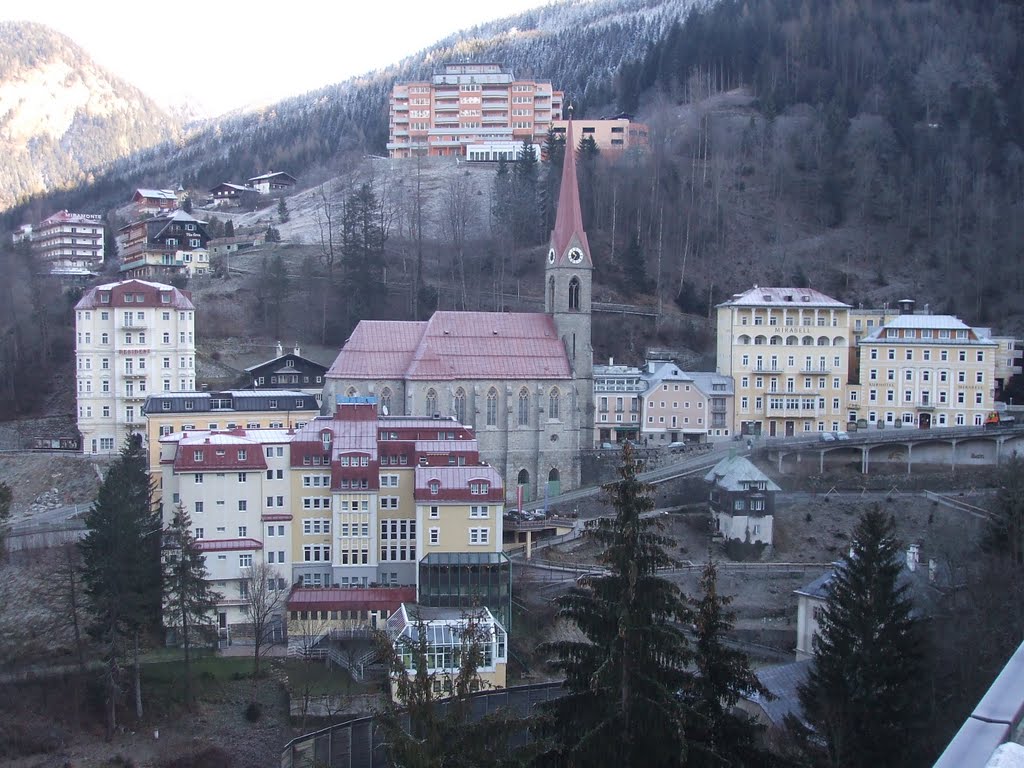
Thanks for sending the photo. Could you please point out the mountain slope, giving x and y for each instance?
(62, 115)
(578, 45)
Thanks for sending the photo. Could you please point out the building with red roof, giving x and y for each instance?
(522, 381)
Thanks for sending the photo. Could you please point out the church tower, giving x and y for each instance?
(568, 277)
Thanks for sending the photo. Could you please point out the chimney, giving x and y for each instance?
(913, 557)
(906, 306)
(280, 349)
(298, 350)
(611, 361)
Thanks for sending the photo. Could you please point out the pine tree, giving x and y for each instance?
(623, 705)
(282, 211)
(524, 196)
(718, 735)
(229, 228)
(189, 600)
(6, 499)
(1005, 533)
(120, 573)
(864, 696)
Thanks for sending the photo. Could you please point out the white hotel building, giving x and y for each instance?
(132, 339)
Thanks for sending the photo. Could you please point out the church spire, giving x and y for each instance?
(568, 233)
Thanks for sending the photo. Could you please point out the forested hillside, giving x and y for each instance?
(872, 150)
(62, 115)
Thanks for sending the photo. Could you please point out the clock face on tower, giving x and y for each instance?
(551, 256)
(575, 255)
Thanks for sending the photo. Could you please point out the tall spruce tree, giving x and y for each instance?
(6, 500)
(1004, 536)
(189, 600)
(120, 566)
(623, 705)
(718, 735)
(863, 696)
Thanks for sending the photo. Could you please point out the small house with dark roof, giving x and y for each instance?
(154, 201)
(288, 370)
(742, 501)
(227, 193)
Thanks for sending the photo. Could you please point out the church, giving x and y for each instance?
(522, 381)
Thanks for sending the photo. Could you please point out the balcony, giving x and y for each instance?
(132, 325)
(769, 369)
(820, 369)
(924, 405)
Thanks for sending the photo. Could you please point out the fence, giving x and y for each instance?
(359, 744)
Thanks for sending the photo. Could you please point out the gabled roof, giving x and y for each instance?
(667, 370)
(273, 174)
(455, 345)
(782, 680)
(287, 356)
(156, 194)
(153, 292)
(732, 472)
(568, 229)
(235, 187)
(929, 322)
(783, 297)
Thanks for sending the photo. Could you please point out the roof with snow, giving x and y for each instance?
(143, 294)
(734, 473)
(772, 297)
(156, 194)
(455, 345)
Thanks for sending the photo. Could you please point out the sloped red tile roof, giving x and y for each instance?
(456, 345)
(350, 599)
(378, 349)
(227, 545)
(455, 483)
(218, 451)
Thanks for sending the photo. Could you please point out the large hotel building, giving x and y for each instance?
(483, 106)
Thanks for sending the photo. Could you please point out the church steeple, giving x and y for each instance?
(568, 233)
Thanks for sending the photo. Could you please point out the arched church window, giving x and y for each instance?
(553, 475)
(385, 401)
(551, 293)
(524, 407)
(574, 293)
(492, 407)
(553, 404)
(524, 477)
(459, 404)
(431, 402)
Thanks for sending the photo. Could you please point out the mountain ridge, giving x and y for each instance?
(64, 117)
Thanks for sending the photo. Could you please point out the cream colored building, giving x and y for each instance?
(132, 339)
(788, 352)
(612, 135)
(925, 371)
(233, 487)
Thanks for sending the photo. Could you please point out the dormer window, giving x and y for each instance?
(242, 455)
(197, 456)
(435, 487)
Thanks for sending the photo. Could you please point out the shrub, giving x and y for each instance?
(253, 712)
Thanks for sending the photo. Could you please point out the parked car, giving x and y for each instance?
(842, 436)
(826, 437)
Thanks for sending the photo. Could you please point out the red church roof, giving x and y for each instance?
(455, 345)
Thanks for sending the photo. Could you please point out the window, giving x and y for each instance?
(479, 511)
(459, 405)
(435, 536)
(435, 513)
(199, 533)
(385, 400)
(524, 407)
(242, 477)
(243, 505)
(574, 293)
(553, 399)
(243, 531)
(479, 535)
(431, 404)
(435, 487)
(199, 507)
(245, 561)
